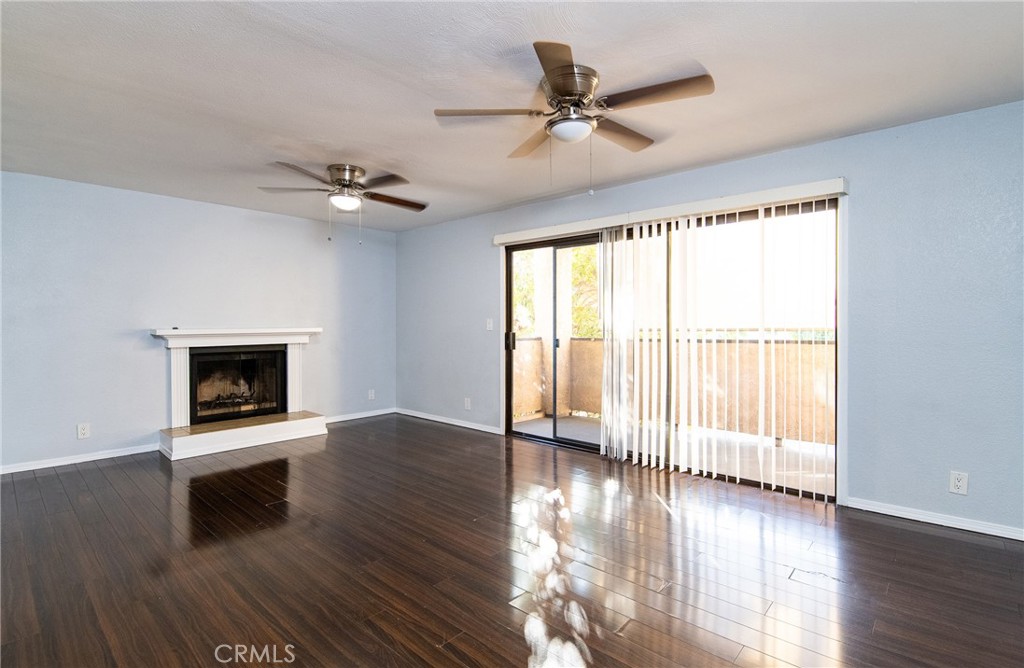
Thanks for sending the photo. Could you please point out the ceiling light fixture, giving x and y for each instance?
(571, 128)
(571, 125)
(345, 199)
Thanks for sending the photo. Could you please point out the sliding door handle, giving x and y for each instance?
(510, 341)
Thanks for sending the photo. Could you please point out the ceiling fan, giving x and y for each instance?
(570, 90)
(346, 191)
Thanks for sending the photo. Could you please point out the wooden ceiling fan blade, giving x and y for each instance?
(530, 145)
(663, 92)
(300, 170)
(486, 112)
(385, 181)
(621, 135)
(553, 55)
(394, 201)
(271, 189)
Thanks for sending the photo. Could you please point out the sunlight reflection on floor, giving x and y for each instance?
(557, 629)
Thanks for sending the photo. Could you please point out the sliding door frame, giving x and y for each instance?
(509, 398)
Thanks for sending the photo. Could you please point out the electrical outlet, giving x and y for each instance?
(371, 394)
(469, 405)
(84, 430)
(958, 482)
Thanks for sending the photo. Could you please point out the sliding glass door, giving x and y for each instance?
(721, 344)
(553, 342)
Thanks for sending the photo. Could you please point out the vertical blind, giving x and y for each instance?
(720, 344)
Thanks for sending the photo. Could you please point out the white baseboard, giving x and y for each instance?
(978, 526)
(78, 459)
(458, 423)
(358, 416)
(417, 414)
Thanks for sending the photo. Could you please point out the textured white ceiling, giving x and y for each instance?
(197, 100)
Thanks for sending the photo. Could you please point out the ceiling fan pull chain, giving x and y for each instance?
(330, 221)
(360, 226)
(590, 148)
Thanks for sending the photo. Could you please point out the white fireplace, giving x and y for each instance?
(183, 439)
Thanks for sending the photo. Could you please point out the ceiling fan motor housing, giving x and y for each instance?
(570, 85)
(344, 174)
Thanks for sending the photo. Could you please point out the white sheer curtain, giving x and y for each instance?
(719, 344)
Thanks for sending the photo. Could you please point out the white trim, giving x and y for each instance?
(458, 423)
(359, 416)
(1001, 530)
(836, 186)
(842, 352)
(503, 328)
(564, 230)
(195, 338)
(180, 401)
(293, 389)
(78, 459)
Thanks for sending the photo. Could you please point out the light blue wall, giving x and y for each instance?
(88, 271)
(450, 284)
(935, 341)
(936, 313)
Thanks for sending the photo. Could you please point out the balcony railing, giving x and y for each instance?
(799, 364)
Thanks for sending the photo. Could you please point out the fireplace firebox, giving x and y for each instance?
(232, 382)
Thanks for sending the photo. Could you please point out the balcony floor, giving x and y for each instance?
(798, 464)
(587, 430)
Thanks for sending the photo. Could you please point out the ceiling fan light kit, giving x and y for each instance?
(571, 91)
(571, 128)
(345, 200)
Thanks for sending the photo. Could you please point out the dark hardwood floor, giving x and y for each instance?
(394, 541)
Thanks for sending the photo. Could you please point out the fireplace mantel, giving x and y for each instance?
(178, 442)
(196, 338)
